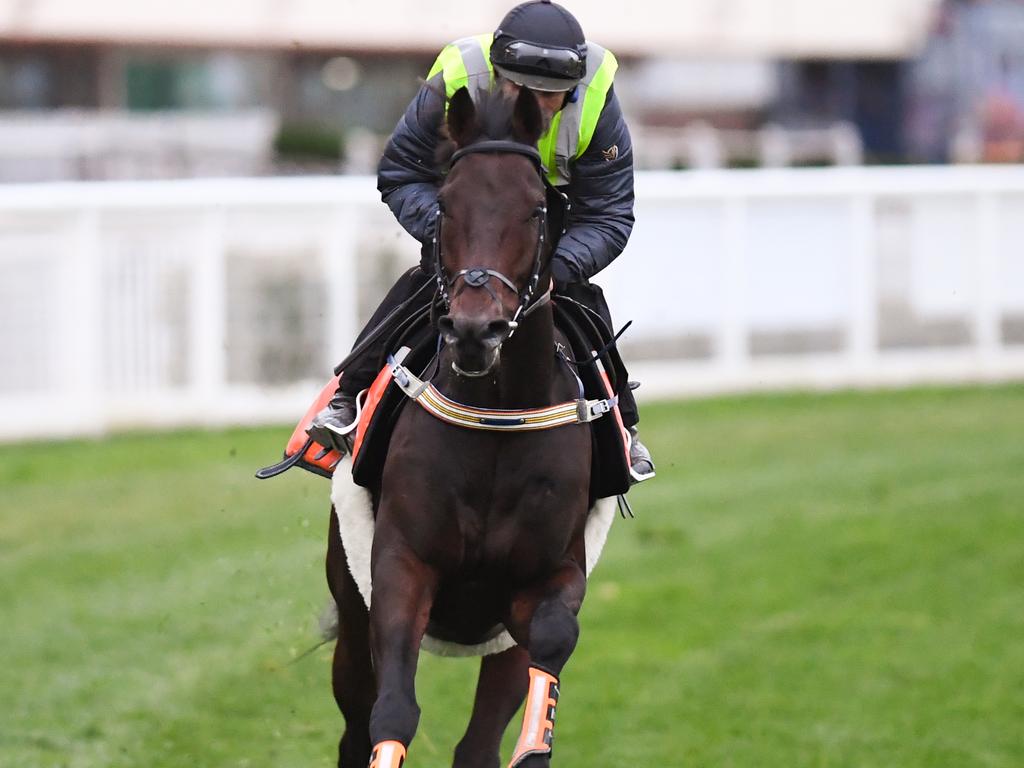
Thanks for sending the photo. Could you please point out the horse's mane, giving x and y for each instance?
(494, 111)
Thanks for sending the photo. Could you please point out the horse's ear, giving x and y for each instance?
(527, 120)
(462, 127)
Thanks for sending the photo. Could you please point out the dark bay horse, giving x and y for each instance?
(475, 528)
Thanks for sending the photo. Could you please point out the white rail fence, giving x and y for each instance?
(228, 301)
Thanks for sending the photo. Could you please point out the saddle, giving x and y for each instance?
(591, 353)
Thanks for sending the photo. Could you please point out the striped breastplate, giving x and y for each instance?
(438, 405)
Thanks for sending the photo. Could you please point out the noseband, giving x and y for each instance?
(480, 277)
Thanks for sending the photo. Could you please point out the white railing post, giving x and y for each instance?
(862, 328)
(341, 273)
(986, 320)
(79, 362)
(208, 321)
(733, 344)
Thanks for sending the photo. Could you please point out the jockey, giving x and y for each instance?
(587, 154)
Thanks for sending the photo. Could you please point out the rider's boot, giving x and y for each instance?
(334, 426)
(641, 464)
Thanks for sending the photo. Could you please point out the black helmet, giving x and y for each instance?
(540, 45)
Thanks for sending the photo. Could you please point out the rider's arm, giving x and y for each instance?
(601, 192)
(407, 177)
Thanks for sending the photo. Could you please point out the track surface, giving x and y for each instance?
(832, 580)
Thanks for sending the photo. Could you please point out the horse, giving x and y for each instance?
(475, 528)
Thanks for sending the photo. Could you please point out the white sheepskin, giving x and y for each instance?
(354, 509)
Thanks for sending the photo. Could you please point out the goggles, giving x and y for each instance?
(521, 56)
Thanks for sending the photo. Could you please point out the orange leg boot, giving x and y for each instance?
(388, 754)
(538, 718)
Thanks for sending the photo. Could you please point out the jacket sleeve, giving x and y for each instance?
(407, 177)
(601, 193)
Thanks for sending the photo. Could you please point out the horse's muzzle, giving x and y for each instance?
(476, 342)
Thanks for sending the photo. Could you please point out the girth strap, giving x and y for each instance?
(579, 411)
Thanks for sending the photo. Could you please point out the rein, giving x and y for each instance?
(480, 277)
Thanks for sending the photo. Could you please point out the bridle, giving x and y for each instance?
(480, 277)
(578, 411)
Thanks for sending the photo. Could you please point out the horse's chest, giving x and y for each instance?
(487, 502)
(522, 525)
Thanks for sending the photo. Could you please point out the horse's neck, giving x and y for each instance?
(528, 362)
(526, 375)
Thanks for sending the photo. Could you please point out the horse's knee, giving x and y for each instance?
(395, 717)
(554, 631)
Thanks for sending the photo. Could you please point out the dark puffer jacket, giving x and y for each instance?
(601, 189)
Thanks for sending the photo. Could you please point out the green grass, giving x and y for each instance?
(812, 580)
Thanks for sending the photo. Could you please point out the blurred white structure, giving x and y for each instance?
(832, 28)
(700, 146)
(82, 144)
(214, 302)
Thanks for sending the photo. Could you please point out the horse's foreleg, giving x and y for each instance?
(499, 692)
(403, 592)
(544, 621)
(352, 677)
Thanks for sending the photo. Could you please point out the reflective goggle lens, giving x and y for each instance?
(560, 62)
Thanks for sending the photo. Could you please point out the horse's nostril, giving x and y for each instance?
(497, 328)
(466, 330)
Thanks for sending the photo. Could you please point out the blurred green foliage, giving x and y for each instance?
(309, 141)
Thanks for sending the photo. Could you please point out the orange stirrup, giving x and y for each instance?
(388, 754)
(539, 717)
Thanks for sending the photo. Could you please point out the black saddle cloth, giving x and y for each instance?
(610, 470)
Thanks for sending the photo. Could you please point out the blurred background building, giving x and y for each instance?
(114, 89)
(221, 299)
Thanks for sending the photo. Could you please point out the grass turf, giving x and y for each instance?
(812, 580)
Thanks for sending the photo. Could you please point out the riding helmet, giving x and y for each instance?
(540, 45)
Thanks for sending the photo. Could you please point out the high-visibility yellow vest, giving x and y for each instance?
(467, 62)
